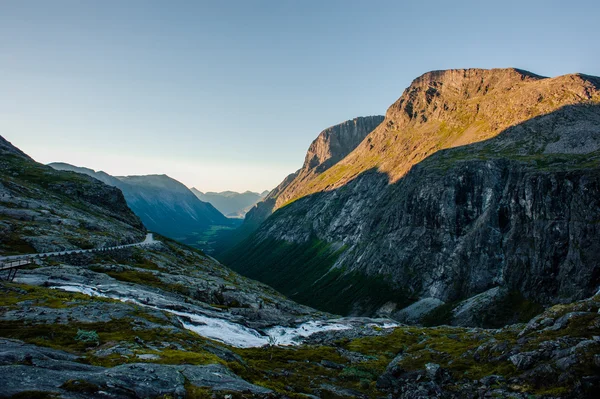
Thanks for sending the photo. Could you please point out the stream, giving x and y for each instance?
(232, 333)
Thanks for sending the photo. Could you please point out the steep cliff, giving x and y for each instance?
(330, 146)
(478, 192)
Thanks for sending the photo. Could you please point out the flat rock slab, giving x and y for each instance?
(25, 367)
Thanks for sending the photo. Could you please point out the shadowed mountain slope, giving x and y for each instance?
(479, 189)
(330, 146)
(164, 204)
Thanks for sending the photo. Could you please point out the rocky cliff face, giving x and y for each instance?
(330, 146)
(478, 192)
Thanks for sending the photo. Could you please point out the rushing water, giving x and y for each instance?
(228, 332)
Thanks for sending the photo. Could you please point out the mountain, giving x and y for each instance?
(168, 321)
(231, 203)
(475, 202)
(330, 146)
(165, 205)
(44, 210)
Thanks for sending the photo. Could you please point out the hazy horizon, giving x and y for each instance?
(148, 87)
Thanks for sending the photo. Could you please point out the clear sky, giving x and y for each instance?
(229, 94)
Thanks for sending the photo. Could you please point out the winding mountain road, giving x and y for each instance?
(9, 262)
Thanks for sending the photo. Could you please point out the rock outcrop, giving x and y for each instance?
(476, 179)
(44, 210)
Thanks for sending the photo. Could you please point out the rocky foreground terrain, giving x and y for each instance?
(169, 322)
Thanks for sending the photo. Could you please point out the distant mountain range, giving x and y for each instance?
(230, 203)
(164, 205)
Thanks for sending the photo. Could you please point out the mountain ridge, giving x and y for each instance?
(164, 204)
(422, 242)
(331, 145)
(481, 117)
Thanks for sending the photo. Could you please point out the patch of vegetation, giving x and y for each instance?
(358, 374)
(89, 337)
(439, 316)
(194, 392)
(80, 386)
(80, 243)
(144, 262)
(13, 293)
(143, 278)
(292, 371)
(13, 244)
(511, 309)
(303, 273)
(135, 276)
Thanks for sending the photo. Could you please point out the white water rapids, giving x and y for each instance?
(231, 333)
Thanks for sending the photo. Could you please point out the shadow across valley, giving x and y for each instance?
(519, 211)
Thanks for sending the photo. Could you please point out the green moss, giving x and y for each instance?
(170, 356)
(358, 374)
(13, 293)
(194, 392)
(136, 277)
(62, 336)
(80, 386)
(449, 347)
(585, 326)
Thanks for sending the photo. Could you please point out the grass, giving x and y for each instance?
(293, 371)
(13, 294)
(13, 244)
(135, 276)
(303, 273)
(446, 346)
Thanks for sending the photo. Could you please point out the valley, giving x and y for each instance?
(446, 250)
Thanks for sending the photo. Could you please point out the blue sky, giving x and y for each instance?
(229, 94)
